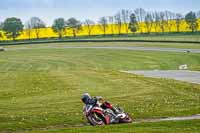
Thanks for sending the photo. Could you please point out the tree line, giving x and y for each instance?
(161, 21)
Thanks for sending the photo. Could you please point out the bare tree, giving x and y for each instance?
(156, 18)
(159, 21)
(140, 15)
(178, 20)
(168, 21)
(36, 24)
(103, 24)
(198, 14)
(89, 25)
(172, 17)
(118, 21)
(28, 29)
(125, 14)
(148, 22)
(163, 21)
(111, 22)
(169, 16)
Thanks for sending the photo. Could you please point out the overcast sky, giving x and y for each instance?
(48, 10)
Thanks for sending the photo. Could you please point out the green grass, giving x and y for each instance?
(42, 87)
(192, 126)
(195, 38)
(192, 37)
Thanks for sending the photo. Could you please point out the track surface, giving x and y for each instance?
(193, 117)
(115, 47)
(183, 75)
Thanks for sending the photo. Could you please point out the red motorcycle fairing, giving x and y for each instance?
(108, 105)
(107, 119)
(97, 110)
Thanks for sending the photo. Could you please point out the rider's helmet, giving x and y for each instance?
(85, 97)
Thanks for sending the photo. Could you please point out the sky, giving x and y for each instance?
(48, 10)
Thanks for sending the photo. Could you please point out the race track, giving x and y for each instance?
(136, 48)
(182, 75)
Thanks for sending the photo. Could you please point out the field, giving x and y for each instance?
(110, 29)
(40, 87)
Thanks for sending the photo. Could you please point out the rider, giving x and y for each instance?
(88, 100)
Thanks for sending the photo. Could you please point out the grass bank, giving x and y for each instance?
(42, 87)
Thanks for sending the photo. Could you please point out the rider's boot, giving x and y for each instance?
(115, 110)
(108, 105)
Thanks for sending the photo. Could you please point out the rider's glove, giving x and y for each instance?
(100, 98)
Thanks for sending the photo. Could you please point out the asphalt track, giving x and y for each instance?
(136, 48)
(182, 75)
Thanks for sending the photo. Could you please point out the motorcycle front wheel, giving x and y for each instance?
(127, 119)
(96, 119)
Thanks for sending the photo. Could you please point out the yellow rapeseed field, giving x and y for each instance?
(97, 30)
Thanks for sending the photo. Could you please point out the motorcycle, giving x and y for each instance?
(98, 116)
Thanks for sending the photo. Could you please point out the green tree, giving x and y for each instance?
(59, 26)
(74, 25)
(133, 25)
(191, 20)
(13, 27)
